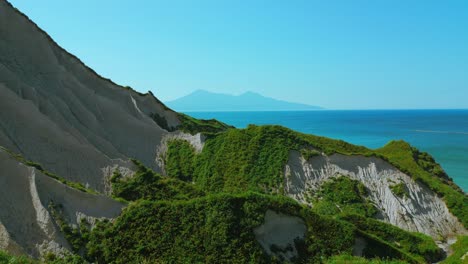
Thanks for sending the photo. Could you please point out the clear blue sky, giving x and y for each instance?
(336, 54)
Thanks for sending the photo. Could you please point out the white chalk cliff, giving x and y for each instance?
(421, 210)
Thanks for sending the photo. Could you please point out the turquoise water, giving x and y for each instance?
(442, 133)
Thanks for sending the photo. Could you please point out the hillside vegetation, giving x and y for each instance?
(254, 159)
(169, 224)
(208, 207)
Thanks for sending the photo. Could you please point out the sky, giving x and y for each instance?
(338, 54)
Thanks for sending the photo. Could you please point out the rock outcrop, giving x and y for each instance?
(420, 209)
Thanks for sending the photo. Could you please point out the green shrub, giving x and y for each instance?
(419, 246)
(10, 259)
(208, 127)
(212, 229)
(399, 190)
(179, 160)
(348, 259)
(307, 154)
(76, 237)
(343, 195)
(146, 184)
(254, 158)
(460, 250)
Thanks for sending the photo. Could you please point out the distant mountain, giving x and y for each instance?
(202, 100)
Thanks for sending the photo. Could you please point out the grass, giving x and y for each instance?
(399, 190)
(348, 259)
(328, 233)
(179, 160)
(419, 246)
(148, 185)
(307, 154)
(208, 127)
(6, 258)
(212, 229)
(76, 237)
(343, 195)
(460, 249)
(254, 158)
(251, 159)
(206, 209)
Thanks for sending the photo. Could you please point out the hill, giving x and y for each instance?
(202, 100)
(94, 172)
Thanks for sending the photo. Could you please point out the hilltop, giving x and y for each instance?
(91, 171)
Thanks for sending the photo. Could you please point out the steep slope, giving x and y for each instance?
(169, 220)
(415, 208)
(201, 100)
(220, 195)
(276, 160)
(52, 103)
(27, 225)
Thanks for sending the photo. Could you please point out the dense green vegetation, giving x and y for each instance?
(343, 195)
(207, 127)
(213, 229)
(237, 160)
(419, 246)
(254, 158)
(399, 189)
(179, 160)
(210, 203)
(171, 224)
(307, 154)
(67, 259)
(460, 250)
(77, 237)
(148, 185)
(6, 258)
(170, 230)
(348, 259)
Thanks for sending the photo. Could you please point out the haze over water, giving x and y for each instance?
(442, 133)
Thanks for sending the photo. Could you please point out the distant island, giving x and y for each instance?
(202, 100)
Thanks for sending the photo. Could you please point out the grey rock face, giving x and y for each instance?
(56, 111)
(26, 223)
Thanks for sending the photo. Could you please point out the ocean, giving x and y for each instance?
(442, 133)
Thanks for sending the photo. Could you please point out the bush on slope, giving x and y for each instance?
(254, 158)
(148, 185)
(460, 252)
(212, 229)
